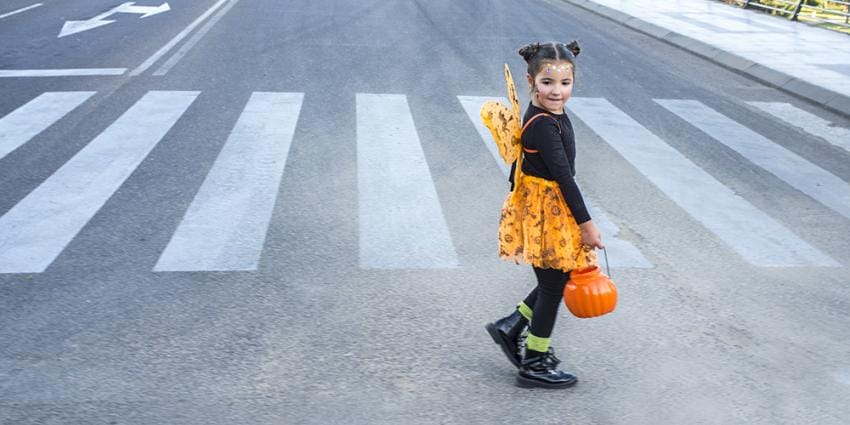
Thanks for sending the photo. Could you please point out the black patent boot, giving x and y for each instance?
(505, 332)
(540, 370)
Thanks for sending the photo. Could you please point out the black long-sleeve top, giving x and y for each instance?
(555, 157)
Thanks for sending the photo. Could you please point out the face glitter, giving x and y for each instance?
(559, 68)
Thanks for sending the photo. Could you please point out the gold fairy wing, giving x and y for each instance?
(504, 122)
(509, 82)
(504, 126)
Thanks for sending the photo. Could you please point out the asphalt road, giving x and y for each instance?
(315, 307)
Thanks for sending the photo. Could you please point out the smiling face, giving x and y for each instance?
(552, 86)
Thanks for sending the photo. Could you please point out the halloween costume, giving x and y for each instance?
(538, 226)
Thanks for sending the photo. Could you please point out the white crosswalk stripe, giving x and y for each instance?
(225, 226)
(39, 227)
(625, 252)
(754, 235)
(788, 166)
(808, 122)
(29, 120)
(401, 220)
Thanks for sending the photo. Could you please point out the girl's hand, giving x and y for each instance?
(590, 235)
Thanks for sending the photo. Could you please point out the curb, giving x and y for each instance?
(835, 102)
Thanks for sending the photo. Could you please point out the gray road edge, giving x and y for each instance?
(836, 102)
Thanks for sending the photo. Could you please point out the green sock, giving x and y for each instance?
(536, 343)
(524, 310)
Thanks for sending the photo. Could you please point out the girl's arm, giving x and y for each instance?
(590, 235)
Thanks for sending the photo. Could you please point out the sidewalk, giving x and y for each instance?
(810, 62)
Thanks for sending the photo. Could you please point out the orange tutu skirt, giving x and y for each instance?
(538, 228)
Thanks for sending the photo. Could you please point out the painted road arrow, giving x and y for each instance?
(73, 27)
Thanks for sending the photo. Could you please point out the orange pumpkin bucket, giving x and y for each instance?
(590, 293)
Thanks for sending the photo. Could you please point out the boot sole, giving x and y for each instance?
(533, 383)
(500, 341)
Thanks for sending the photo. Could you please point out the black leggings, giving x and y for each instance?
(545, 299)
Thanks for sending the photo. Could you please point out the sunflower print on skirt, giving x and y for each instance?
(537, 228)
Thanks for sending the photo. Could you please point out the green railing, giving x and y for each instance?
(832, 14)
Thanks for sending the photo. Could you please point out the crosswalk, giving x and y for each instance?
(808, 122)
(401, 222)
(242, 183)
(31, 119)
(39, 227)
(755, 235)
(794, 170)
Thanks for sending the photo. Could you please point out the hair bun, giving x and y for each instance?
(529, 51)
(574, 47)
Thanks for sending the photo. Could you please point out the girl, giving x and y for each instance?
(544, 220)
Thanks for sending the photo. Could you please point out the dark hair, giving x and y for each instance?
(536, 54)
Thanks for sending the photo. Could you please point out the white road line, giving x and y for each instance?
(401, 222)
(624, 252)
(842, 376)
(170, 45)
(808, 122)
(756, 236)
(24, 123)
(801, 174)
(193, 41)
(70, 72)
(225, 227)
(23, 9)
(37, 229)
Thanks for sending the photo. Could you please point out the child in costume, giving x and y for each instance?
(544, 220)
